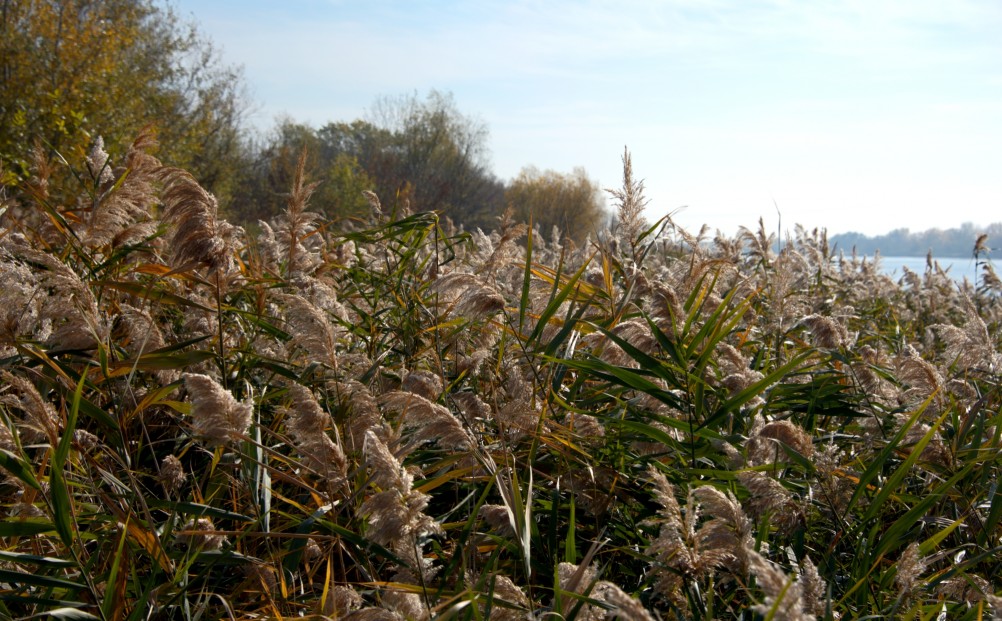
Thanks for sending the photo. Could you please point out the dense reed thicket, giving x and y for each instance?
(401, 421)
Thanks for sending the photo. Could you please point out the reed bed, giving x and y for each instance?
(401, 421)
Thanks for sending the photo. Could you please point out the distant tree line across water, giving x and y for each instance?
(955, 242)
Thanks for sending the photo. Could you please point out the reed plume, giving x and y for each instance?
(728, 536)
(767, 441)
(579, 579)
(517, 605)
(216, 416)
(623, 606)
(969, 347)
(426, 421)
(996, 603)
(200, 238)
(504, 250)
(21, 299)
(826, 332)
(688, 550)
(201, 533)
(311, 329)
(363, 413)
(40, 422)
(172, 475)
(813, 589)
(121, 209)
(65, 311)
(910, 568)
(783, 595)
(395, 511)
(298, 226)
(423, 383)
(736, 373)
(770, 500)
(629, 202)
(308, 423)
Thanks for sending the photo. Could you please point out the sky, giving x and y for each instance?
(864, 116)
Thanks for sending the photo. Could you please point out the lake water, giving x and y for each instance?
(957, 267)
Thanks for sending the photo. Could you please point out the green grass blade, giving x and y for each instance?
(903, 470)
(34, 559)
(19, 469)
(876, 465)
(111, 603)
(26, 528)
(49, 582)
(62, 504)
(555, 302)
(523, 301)
(896, 533)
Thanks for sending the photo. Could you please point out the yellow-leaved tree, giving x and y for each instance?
(572, 203)
(73, 70)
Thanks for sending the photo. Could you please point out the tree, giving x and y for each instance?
(340, 175)
(71, 70)
(572, 203)
(414, 154)
(425, 153)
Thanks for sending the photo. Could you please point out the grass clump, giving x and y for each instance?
(403, 421)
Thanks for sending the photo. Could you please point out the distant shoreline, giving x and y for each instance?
(954, 243)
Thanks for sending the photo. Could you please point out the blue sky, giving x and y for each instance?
(852, 115)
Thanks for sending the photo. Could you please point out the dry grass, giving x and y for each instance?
(406, 422)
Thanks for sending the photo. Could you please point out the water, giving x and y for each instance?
(957, 267)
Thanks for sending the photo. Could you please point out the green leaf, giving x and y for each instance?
(555, 302)
(33, 559)
(165, 361)
(111, 601)
(904, 469)
(523, 302)
(896, 533)
(19, 469)
(570, 547)
(17, 577)
(26, 528)
(62, 504)
(876, 464)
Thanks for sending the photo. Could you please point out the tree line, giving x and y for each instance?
(955, 242)
(72, 71)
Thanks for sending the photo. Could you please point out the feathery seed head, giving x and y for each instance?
(910, 568)
(373, 199)
(172, 475)
(307, 423)
(625, 607)
(827, 332)
(200, 237)
(783, 596)
(765, 446)
(216, 415)
(201, 533)
(423, 383)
